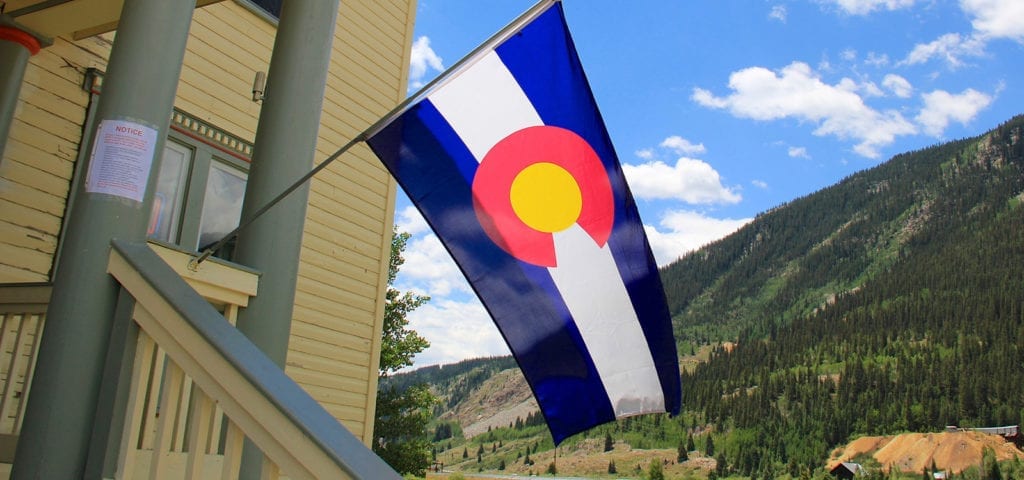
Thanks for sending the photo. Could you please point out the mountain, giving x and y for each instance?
(799, 256)
(890, 302)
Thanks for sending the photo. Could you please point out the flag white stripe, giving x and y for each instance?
(469, 102)
(609, 327)
(586, 277)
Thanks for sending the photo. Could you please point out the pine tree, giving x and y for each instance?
(611, 467)
(681, 454)
(654, 471)
(609, 445)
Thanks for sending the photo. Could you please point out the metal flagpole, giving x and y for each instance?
(511, 29)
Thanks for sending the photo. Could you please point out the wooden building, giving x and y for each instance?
(205, 157)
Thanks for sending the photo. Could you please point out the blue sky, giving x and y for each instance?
(722, 109)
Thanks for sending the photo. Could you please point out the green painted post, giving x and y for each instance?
(113, 201)
(283, 152)
(16, 46)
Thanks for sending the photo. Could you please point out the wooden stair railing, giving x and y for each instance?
(214, 389)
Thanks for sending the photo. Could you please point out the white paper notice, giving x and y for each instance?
(122, 156)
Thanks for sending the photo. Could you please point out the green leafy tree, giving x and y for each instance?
(402, 415)
(400, 344)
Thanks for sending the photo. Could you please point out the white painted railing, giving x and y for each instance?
(22, 315)
(198, 387)
(211, 388)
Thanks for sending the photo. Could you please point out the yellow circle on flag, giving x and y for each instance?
(546, 197)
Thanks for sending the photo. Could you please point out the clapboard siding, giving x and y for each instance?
(323, 319)
(339, 302)
(36, 171)
(302, 360)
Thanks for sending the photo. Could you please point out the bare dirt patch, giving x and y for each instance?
(915, 452)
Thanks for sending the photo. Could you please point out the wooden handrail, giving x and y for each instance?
(292, 429)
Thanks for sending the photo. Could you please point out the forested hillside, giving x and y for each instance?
(892, 301)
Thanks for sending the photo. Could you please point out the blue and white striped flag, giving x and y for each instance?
(507, 158)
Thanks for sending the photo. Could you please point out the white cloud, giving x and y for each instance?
(682, 146)
(877, 59)
(870, 89)
(645, 153)
(848, 55)
(950, 47)
(797, 92)
(692, 181)
(779, 13)
(798, 152)
(456, 331)
(409, 220)
(996, 18)
(423, 58)
(864, 7)
(898, 85)
(429, 268)
(941, 107)
(759, 184)
(683, 231)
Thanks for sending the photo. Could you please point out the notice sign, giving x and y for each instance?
(122, 155)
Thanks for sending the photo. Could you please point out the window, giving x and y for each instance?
(272, 7)
(198, 199)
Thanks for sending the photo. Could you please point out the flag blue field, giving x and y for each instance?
(508, 160)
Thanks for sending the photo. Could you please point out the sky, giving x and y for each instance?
(723, 109)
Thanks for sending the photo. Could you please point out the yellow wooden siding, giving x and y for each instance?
(335, 347)
(38, 163)
(337, 323)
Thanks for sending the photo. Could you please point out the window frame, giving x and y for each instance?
(204, 156)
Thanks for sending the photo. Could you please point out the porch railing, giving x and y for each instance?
(198, 386)
(22, 314)
(216, 389)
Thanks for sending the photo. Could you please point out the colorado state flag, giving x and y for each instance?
(508, 160)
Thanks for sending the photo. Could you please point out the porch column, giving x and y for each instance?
(283, 152)
(16, 46)
(113, 201)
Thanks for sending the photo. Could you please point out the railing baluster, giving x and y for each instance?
(232, 452)
(155, 382)
(198, 431)
(7, 395)
(270, 470)
(163, 444)
(37, 333)
(180, 429)
(216, 423)
(135, 408)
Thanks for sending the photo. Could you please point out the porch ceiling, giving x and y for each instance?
(76, 19)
